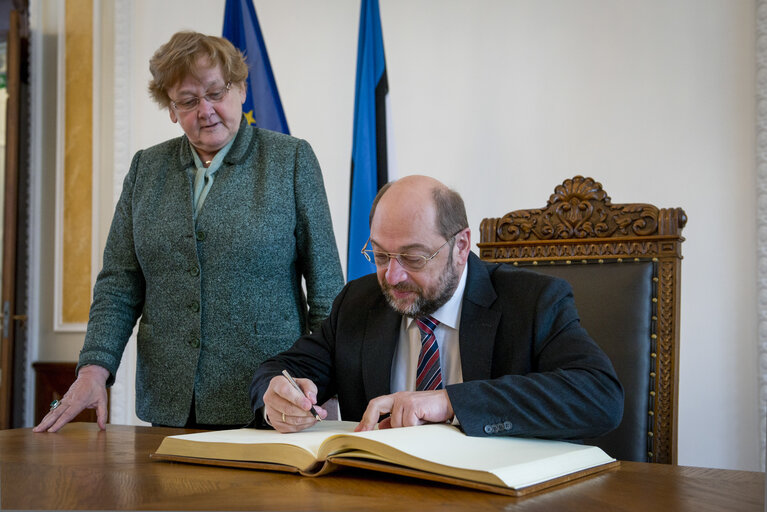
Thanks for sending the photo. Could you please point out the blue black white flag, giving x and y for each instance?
(370, 153)
(262, 106)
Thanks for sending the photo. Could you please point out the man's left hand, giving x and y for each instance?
(407, 408)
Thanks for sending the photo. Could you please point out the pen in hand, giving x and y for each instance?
(295, 385)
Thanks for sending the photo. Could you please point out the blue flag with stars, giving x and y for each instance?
(262, 106)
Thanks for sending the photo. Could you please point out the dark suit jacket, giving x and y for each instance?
(529, 368)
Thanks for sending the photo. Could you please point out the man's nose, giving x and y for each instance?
(395, 273)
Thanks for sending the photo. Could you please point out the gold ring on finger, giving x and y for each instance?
(283, 417)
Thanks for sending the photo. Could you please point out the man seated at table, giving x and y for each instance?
(437, 335)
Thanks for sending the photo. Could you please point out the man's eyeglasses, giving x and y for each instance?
(411, 262)
(191, 103)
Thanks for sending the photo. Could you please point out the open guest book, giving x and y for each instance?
(441, 453)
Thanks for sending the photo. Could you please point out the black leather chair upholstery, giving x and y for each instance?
(615, 303)
(623, 264)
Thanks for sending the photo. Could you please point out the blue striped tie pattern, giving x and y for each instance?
(429, 374)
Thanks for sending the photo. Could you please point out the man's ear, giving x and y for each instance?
(173, 118)
(462, 246)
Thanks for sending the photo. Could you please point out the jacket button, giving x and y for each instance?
(195, 306)
(507, 425)
(194, 342)
(195, 271)
(488, 429)
(201, 235)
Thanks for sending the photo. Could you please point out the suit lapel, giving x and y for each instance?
(378, 344)
(479, 323)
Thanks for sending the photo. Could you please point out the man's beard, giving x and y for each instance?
(425, 303)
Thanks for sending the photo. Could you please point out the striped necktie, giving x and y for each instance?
(429, 374)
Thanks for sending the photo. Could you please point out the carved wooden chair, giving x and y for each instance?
(623, 262)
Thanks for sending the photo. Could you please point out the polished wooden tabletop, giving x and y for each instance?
(84, 468)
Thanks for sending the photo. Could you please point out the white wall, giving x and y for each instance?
(504, 99)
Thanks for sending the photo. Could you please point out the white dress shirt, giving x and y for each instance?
(405, 362)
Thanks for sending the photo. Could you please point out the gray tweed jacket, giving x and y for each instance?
(219, 297)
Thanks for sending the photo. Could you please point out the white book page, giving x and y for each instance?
(518, 462)
(309, 439)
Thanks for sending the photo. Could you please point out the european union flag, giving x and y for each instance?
(262, 106)
(369, 149)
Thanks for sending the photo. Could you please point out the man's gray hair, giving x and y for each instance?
(451, 212)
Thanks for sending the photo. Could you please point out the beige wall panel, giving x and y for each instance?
(78, 162)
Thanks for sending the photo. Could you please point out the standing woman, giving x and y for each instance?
(209, 243)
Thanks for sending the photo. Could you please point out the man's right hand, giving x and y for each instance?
(287, 409)
(89, 391)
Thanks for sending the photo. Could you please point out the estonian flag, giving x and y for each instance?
(262, 106)
(369, 150)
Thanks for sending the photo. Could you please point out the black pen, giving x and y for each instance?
(295, 385)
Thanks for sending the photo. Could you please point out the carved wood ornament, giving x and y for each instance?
(582, 220)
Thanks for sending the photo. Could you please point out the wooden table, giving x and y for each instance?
(84, 468)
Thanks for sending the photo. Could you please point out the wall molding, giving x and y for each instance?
(123, 394)
(36, 112)
(97, 129)
(761, 214)
(58, 324)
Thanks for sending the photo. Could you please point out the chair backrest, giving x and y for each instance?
(623, 262)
